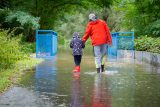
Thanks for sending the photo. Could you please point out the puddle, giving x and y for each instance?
(53, 84)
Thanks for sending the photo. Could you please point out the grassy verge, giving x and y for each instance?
(15, 58)
(13, 75)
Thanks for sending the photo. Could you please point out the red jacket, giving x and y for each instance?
(98, 32)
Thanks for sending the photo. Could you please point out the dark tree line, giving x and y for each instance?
(49, 10)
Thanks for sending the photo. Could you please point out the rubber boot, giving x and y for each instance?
(78, 68)
(75, 69)
(98, 70)
(102, 68)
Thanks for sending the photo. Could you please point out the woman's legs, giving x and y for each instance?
(104, 52)
(98, 55)
(100, 52)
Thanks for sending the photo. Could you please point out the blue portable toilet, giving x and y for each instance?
(46, 43)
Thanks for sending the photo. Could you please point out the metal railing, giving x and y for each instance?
(122, 42)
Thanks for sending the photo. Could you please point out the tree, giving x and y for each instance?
(149, 10)
(50, 10)
(4, 4)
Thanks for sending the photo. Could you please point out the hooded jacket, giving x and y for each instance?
(76, 44)
(98, 32)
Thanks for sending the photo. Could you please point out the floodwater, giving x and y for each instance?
(54, 85)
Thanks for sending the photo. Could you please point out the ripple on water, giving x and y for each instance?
(107, 72)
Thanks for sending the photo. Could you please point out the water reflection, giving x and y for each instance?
(77, 95)
(46, 76)
(46, 82)
(101, 96)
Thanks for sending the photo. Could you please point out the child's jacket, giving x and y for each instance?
(76, 44)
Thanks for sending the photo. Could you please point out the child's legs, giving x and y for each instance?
(77, 59)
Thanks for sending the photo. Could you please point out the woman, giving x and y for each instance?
(99, 33)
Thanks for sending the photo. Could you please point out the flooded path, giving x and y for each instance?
(54, 85)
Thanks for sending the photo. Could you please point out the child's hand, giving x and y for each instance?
(83, 44)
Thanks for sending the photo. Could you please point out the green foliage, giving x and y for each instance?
(4, 3)
(146, 43)
(47, 10)
(24, 18)
(125, 15)
(101, 3)
(112, 17)
(153, 28)
(9, 50)
(14, 74)
(150, 14)
(140, 16)
(70, 24)
(14, 57)
(3, 14)
(19, 22)
(28, 47)
(61, 40)
(23, 21)
(149, 9)
(51, 10)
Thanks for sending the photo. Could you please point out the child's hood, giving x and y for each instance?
(76, 35)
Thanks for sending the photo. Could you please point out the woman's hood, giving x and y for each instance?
(94, 22)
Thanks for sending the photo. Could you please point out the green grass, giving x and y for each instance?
(13, 75)
(14, 58)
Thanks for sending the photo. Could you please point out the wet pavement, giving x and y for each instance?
(54, 85)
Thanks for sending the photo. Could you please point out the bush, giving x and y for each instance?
(61, 40)
(9, 50)
(28, 48)
(153, 28)
(3, 15)
(149, 44)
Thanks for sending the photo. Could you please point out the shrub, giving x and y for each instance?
(149, 44)
(3, 14)
(28, 47)
(61, 39)
(153, 28)
(9, 50)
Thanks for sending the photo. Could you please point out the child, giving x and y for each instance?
(77, 44)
